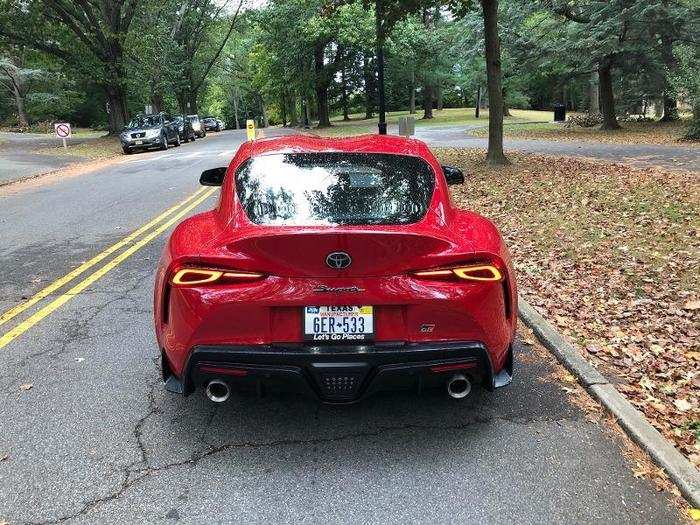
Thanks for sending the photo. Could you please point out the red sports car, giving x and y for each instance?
(336, 268)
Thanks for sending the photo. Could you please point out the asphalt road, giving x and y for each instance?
(686, 158)
(24, 155)
(96, 439)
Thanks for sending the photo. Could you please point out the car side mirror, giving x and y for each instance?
(453, 175)
(212, 177)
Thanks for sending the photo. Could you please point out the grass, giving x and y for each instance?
(610, 254)
(631, 132)
(358, 125)
(98, 148)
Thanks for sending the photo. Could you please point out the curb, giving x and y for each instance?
(679, 469)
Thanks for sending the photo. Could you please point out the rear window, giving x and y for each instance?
(305, 189)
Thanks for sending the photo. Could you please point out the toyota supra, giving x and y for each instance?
(335, 268)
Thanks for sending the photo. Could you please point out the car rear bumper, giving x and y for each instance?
(337, 374)
(142, 143)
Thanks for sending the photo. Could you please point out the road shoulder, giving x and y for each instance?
(679, 469)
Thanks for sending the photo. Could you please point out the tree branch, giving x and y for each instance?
(221, 47)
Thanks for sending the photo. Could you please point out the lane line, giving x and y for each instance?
(75, 290)
(16, 310)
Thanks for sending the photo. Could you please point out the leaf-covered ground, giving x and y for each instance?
(95, 148)
(631, 133)
(611, 256)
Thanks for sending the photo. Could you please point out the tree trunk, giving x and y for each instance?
(506, 111)
(370, 87)
(693, 132)
(261, 103)
(235, 106)
(438, 95)
(593, 90)
(344, 94)
(117, 113)
(427, 101)
(607, 97)
(157, 101)
(192, 103)
(322, 105)
(293, 116)
(412, 94)
(478, 102)
(492, 52)
(670, 108)
(669, 59)
(19, 104)
(283, 108)
(321, 83)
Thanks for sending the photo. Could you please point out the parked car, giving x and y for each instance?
(222, 124)
(184, 128)
(211, 124)
(197, 126)
(336, 268)
(149, 131)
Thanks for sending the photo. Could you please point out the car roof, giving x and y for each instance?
(358, 144)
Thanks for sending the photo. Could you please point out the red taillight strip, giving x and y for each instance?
(468, 273)
(207, 276)
(238, 372)
(195, 276)
(454, 366)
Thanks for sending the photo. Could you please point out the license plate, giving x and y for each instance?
(338, 323)
(138, 142)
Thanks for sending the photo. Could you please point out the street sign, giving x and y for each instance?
(63, 132)
(250, 129)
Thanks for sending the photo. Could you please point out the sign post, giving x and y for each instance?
(63, 132)
(250, 129)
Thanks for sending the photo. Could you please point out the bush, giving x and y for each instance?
(587, 120)
(636, 118)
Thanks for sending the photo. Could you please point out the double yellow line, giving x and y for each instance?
(135, 241)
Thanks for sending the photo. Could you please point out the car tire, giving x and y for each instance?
(164, 142)
(177, 140)
(127, 150)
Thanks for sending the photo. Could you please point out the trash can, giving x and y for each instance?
(559, 112)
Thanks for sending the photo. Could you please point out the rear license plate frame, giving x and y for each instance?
(366, 312)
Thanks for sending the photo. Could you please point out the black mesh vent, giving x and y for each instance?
(340, 385)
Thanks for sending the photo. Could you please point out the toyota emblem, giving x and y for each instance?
(338, 260)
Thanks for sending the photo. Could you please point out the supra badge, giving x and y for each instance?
(338, 260)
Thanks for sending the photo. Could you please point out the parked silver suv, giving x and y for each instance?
(149, 131)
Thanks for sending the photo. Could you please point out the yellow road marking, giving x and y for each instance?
(16, 310)
(75, 290)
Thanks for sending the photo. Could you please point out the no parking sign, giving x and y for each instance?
(63, 131)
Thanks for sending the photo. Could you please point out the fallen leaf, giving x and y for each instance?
(694, 514)
(692, 305)
(592, 349)
(26, 386)
(682, 405)
(3, 457)
(528, 342)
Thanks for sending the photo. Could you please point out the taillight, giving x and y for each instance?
(472, 272)
(197, 276)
